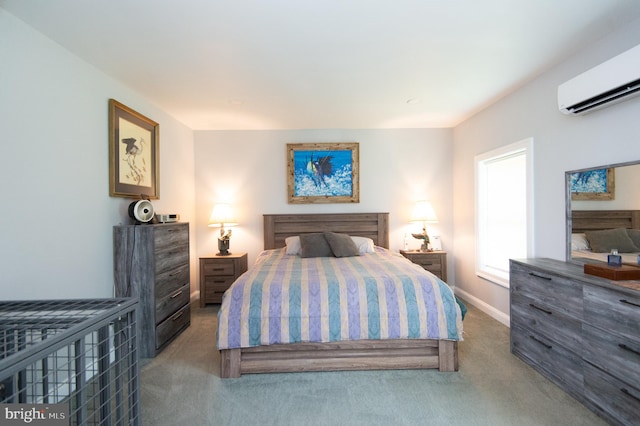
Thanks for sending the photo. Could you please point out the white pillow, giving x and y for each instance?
(293, 247)
(365, 245)
(579, 242)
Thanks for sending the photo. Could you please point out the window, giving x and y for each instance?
(504, 209)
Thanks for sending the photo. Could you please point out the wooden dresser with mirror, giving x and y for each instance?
(579, 330)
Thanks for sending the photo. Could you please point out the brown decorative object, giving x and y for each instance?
(134, 160)
(616, 273)
(318, 173)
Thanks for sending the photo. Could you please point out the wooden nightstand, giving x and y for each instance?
(217, 273)
(433, 261)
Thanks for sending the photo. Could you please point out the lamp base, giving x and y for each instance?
(223, 248)
(425, 247)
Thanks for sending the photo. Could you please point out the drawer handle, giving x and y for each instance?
(626, 392)
(540, 309)
(176, 294)
(539, 276)
(540, 341)
(178, 315)
(626, 302)
(627, 348)
(218, 269)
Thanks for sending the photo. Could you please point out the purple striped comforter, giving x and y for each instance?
(382, 295)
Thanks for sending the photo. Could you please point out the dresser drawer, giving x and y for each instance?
(553, 291)
(554, 361)
(171, 259)
(168, 236)
(547, 321)
(167, 329)
(619, 356)
(618, 401)
(218, 267)
(170, 281)
(612, 310)
(167, 305)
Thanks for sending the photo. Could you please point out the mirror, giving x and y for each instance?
(600, 198)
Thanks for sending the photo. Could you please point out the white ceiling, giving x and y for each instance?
(312, 64)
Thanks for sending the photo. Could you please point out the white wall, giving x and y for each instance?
(57, 216)
(55, 232)
(248, 169)
(561, 143)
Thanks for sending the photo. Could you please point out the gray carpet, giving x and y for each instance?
(181, 387)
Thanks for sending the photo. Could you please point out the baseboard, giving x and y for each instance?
(484, 307)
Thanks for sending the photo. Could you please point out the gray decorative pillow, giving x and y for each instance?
(314, 245)
(608, 239)
(341, 245)
(634, 234)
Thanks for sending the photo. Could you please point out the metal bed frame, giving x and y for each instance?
(77, 354)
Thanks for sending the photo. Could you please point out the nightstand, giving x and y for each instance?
(217, 273)
(433, 261)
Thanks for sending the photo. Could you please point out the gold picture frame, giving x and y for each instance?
(134, 160)
(323, 173)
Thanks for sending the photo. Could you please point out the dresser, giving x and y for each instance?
(151, 262)
(217, 273)
(580, 331)
(433, 261)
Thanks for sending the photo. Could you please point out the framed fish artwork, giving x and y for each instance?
(323, 173)
(134, 161)
(595, 184)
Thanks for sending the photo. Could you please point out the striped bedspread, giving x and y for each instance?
(288, 299)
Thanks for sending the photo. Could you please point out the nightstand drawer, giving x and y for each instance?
(425, 261)
(217, 273)
(218, 267)
(432, 261)
(218, 284)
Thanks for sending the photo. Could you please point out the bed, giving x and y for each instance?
(259, 348)
(594, 233)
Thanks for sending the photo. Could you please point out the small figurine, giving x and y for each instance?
(425, 239)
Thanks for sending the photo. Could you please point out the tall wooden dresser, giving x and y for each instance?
(580, 331)
(151, 262)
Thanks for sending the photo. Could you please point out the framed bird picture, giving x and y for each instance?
(323, 173)
(134, 161)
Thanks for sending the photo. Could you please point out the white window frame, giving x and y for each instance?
(523, 147)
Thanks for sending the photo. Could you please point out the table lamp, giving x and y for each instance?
(222, 216)
(423, 212)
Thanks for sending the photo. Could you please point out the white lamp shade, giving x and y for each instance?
(222, 215)
(423, 212)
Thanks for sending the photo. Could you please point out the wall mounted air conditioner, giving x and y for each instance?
(613, 81)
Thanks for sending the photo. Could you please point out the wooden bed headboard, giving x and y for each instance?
(595, 220)
(277, 227)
